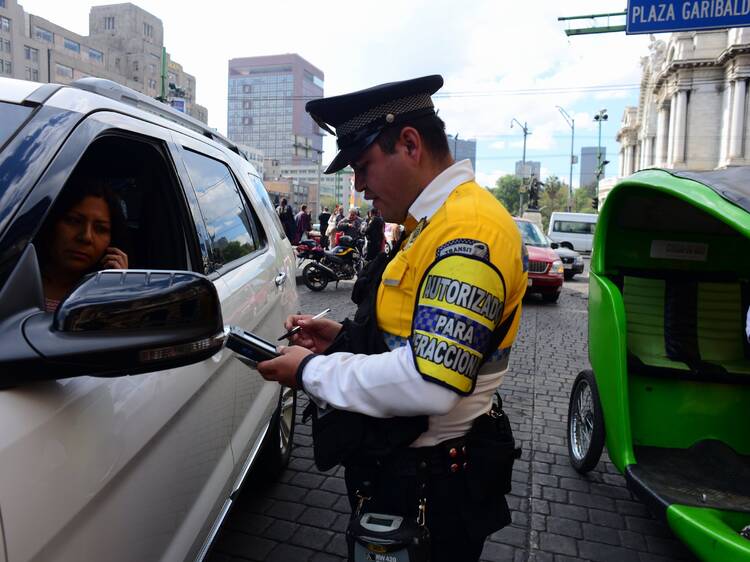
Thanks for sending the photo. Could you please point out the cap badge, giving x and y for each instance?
(390, 118)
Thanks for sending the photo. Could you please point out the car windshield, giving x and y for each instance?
(531, 234)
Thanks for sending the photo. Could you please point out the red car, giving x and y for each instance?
(545, 267)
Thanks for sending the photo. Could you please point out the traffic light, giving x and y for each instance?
(595, 203)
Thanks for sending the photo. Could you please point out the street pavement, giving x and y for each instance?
(558, 515)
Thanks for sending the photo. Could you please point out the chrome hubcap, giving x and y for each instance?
(582, 421)
(286, 419)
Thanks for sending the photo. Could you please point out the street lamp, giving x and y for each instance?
(526, 132)
(572, 124)
(600, 118)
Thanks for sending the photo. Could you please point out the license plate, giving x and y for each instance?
(529, 283)
(568, 266)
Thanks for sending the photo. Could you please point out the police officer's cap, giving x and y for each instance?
(359, 117)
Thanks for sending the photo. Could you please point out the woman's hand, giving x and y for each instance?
(114, 258)
(315, 335)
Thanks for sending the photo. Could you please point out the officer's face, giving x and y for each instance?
(388, 180)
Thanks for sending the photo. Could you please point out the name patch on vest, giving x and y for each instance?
(459, 304)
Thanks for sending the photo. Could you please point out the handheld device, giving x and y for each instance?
(250, 348)
(378, 537)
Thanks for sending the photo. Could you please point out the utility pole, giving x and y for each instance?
(572, 124)
(600, 117)
(526, 132)
(455, 147)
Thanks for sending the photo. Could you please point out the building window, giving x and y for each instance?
(246, 88)
(4, 46)
(247, 120)
(246, 104)
(30, 53)
(152, 83)
(4, 24)
(72, 45)
(2, 3)
(32, 74)
(62, 70)
(6, 67)
(152, 68)
(44, 34)
(96, 56)
(109, 22)
(148, 30)
(135, 65)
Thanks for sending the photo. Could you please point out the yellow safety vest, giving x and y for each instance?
(452, 283)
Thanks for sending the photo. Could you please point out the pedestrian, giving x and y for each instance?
(336, 218)
(375, 234)
(323, 222)
(403, 395)
(303, 223)
(286, 216)
(352, 225)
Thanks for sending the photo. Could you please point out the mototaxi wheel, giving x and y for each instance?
(585, 424)
(314, 278)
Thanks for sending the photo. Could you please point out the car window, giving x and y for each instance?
(573, 227)
(11, 117)
(263, 196)
(531, 234)
(227, 219)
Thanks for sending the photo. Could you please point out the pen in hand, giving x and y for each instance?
(296, 329)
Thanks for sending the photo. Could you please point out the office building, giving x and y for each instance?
(463, 149)
(589, 163)
(266, 107)
(125, 44)
(532, 169)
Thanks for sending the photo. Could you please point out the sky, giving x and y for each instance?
(500, 60)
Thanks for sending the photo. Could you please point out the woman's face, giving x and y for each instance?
(81, 235)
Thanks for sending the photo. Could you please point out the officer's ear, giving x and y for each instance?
(412, 143)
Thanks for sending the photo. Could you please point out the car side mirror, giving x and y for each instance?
(554, 245)
(114, 323)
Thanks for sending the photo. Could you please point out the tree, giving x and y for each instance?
(553, 198)
(506, 191)
(582, 198)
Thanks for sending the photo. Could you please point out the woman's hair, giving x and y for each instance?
(76, 190)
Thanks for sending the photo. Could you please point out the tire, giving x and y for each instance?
(277, 449)
(569, 275)
(314, 279)
(387, 248)
(585, 424)
(550, 297)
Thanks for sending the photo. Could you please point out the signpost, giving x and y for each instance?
(661, 16)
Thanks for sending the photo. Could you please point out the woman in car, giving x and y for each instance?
(84, 233)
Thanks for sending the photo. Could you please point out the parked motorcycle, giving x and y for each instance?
(344, 262)
(308, 250)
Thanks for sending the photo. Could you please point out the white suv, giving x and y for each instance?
(96, 464)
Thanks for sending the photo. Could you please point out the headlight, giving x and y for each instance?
(578, 259)
(557, 267)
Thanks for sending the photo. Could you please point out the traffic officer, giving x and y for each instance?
(415, 372)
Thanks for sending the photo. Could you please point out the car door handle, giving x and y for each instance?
(280, 278)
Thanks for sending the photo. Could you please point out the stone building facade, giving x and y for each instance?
(125, 44)
(693, 105)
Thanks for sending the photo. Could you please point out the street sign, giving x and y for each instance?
(660, 16)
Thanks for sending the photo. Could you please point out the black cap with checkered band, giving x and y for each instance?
(359, 117)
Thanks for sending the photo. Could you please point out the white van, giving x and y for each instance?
(573, 230)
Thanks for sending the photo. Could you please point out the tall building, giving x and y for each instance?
(463, 149)
(589, 163)
(693, 105)
(266, 108)
(125, 44)
(533, 168)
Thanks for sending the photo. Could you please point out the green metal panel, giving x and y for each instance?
(711, 534)
(607, 345)
(678, 413)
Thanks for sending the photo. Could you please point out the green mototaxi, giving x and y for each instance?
(669, 291)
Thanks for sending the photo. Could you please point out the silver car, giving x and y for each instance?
(127, 426)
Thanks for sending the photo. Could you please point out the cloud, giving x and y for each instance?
(499, 145)
(489, 179)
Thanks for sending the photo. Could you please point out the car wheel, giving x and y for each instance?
(569, 275)
(277, 450)
(585, 424)
(314, 278)
(550, 297)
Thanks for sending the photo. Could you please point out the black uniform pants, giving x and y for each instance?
(461, 510)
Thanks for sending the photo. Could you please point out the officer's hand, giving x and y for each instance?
(284, 369)
(315, 335)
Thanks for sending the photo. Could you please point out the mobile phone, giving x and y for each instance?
(250, 347)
